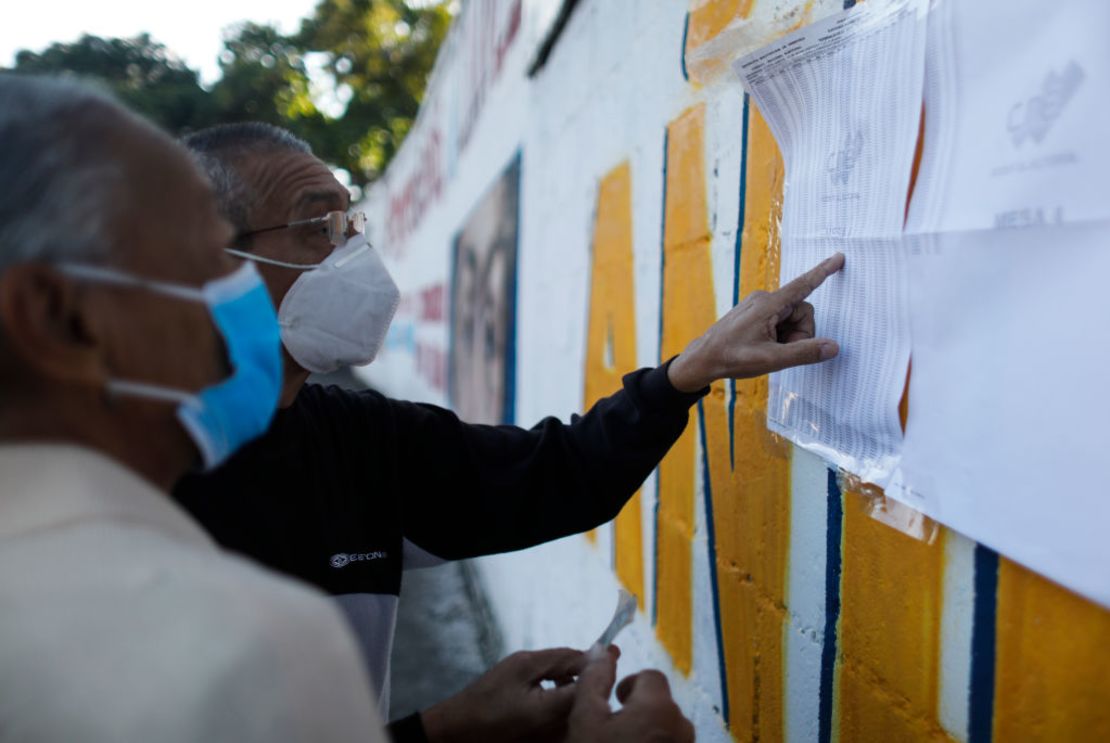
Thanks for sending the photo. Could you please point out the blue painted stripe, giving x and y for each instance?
(655, 559)
(682, 51)
(744, 123)
(508, 414)
(662, 281)
(613, 546)
(833, 537)
(452, 341)
(981, 702)
(712, 540)
(663, 241)
(737, 252)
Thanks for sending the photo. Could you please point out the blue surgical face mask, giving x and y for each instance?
(221, 417)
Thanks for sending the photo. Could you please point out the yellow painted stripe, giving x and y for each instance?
(751, 503)
(611, 343)
(709, 17)
(706, 20)
(1052, 667)
(688, 309)
(889, 643)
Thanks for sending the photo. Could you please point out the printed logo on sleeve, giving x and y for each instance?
(343, 559)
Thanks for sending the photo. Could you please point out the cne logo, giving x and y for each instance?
(1033, 118)
(343, 559)
(842, 162)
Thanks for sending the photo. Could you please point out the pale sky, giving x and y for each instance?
(191, 29)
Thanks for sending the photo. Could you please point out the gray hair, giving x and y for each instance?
(58, 188)
(219, 151)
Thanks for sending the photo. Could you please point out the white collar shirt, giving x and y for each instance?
(120, 620)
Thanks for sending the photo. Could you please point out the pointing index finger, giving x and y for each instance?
(801, 287)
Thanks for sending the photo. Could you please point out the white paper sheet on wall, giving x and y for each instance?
(1017, 114)
(846, 410)
(843, 99)
(1006, 439)
(997, 275)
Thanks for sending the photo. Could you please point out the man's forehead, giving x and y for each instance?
(335, 198)
(293, 182)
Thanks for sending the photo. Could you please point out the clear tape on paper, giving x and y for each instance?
(891, 512)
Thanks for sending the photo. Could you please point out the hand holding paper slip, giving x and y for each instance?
(648, 711)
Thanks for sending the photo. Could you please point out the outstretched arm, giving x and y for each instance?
(488, 489)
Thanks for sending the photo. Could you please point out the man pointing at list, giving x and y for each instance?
(348, 489)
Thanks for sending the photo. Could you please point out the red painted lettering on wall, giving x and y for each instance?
(488, 41)
(432, 303)
(431, 365)
(419, 192)
(488, 30)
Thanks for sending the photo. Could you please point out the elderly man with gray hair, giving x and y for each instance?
(132, 348)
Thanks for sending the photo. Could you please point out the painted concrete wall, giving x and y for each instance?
(782, 603)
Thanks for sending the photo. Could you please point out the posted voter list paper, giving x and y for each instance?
(843, 99)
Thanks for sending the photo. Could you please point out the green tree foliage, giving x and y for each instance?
(372, 58)
(258, 70)
(379, 52)
(142, 72)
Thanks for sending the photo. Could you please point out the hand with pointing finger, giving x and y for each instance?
(766, 332)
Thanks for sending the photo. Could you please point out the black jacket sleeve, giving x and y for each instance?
(408, 730)
(487, 489)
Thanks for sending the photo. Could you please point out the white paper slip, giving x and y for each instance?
(843, 99)
(1016, 115)
(1006, 440)
(622, 617)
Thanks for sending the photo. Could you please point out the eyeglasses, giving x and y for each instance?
(339, 226)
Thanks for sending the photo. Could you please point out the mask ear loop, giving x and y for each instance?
(113, 277)
(143, 390)
(270, 261)
(116, 388)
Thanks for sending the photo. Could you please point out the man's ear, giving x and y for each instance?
(45, 320)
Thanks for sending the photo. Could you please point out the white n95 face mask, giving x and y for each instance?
(337, 313)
